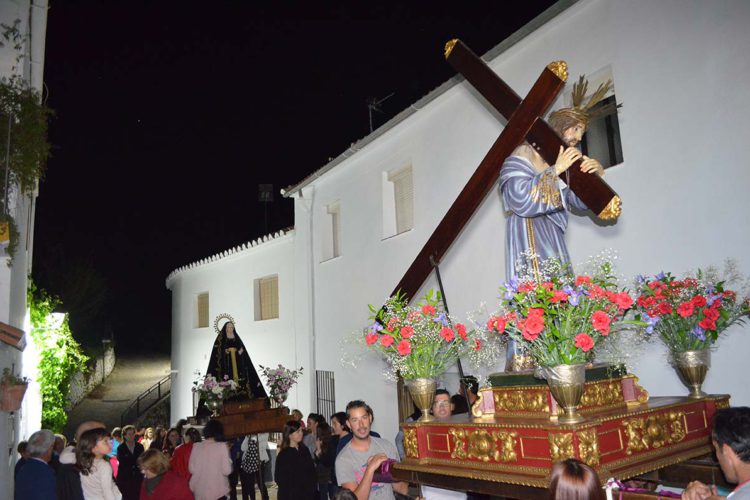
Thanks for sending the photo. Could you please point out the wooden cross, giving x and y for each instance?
(524, 124)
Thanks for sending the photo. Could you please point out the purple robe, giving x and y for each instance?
(535, 204)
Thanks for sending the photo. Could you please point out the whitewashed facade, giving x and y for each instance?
(678, 67)
(32, 26)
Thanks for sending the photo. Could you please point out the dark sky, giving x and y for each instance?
(170, 114)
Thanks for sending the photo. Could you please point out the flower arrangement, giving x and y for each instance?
(420, 341)
(210, 388)
(280, 379)
(688, 314)
(561, 318)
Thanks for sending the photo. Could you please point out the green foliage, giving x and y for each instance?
(60, 357)
(24, 148)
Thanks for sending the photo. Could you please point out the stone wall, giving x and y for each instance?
(82, 384)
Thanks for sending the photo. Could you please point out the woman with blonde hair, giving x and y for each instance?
(161, 483)
(148, 438)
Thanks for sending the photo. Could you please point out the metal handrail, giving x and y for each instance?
(142, 396)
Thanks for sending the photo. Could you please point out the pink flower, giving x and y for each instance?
(386, 340)
(461, 329)
(584, 342)
(447, 334)
(392, 323)
(403, 347)
(601, 321)
(536, 311)
(428, 310)
(407, 332)
(371, 338)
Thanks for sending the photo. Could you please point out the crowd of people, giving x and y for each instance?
(316, 460)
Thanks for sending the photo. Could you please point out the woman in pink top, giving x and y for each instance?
(210, 464)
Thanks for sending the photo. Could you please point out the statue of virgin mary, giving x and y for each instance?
(229, 358)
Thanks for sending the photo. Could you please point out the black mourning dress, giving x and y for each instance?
(220, 364)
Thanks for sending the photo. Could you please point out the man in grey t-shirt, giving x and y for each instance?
(357, 462)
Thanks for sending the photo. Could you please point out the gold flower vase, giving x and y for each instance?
(215, 404)
(566, 382)
(693, 367)
(422, 392)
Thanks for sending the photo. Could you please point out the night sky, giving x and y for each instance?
(170, 114)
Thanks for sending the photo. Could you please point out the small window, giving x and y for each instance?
(201, 310)
(267, 298)
(398, 202)
(331, 232)
(602, 138)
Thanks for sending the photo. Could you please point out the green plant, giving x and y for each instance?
(60, 356)
(10, 378)
(24, 148)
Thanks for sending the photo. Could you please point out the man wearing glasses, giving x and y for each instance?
(442, 409)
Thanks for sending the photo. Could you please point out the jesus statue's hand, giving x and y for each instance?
(590, 166)
(565, 158)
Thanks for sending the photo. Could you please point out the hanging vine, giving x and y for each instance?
(24, 148)
(60, 357)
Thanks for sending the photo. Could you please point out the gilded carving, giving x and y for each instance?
(602, 394)
(506, 445)
(449, 47)
(477, 407)
(588, 447)
(561, 446)
(560, 69)
(612, 210)
(722, 404)
(654, 431)
(459, 443)
(482, 446)
(410, 443)
(521, 401)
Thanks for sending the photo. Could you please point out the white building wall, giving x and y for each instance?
(677, 68)
(13, 279)
(230, 282)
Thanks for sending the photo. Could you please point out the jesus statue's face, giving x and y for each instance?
(573, 135)
(230, 330)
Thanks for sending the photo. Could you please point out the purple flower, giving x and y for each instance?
(441, 319)
(661, 276)
(374, 328)
(699, 333)
(511, 287)
(651, 322)
(640, 279)
(574, 298)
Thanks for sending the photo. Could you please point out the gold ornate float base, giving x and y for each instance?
(618, 440)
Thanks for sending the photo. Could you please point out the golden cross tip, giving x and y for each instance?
(560, 69)
(449, 47)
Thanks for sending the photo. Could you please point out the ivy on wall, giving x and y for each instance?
(60, 357)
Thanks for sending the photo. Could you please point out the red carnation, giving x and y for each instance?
(477, 345)
(547, 285)
(407, 331)
(623, 300)
(597, 292)
(707, 324)
(403, 347)
(386, 340)
(447, 334)
(536, 311)
(685, 309)
(532, 327)
(428, 310)
(583, 280)
(371, 338)
(665, 308)
(600, 320)
(526, 287)
(558, 296)
(699, 301)
(584, 342)
(496, 323)
(461, 329)
(711, 314)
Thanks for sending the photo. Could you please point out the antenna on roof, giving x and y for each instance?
(373, 104)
